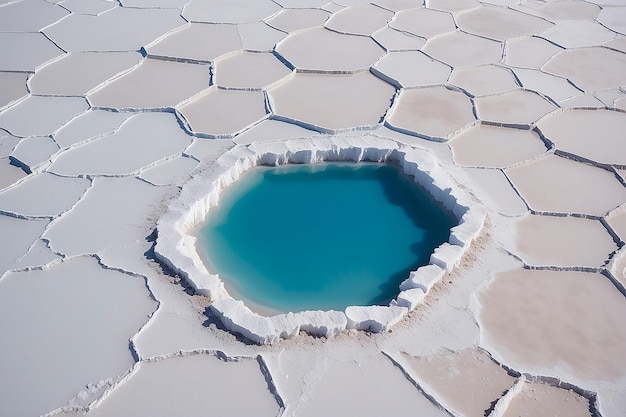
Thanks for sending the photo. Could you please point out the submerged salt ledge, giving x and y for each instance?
(176, 247)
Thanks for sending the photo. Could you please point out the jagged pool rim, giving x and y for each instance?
(176, 246)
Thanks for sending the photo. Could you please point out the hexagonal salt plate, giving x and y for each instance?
(175, 246)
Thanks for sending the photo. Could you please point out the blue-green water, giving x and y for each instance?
(320, 237)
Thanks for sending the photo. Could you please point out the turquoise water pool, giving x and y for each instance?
(320, 237)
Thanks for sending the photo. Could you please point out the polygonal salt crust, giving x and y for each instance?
(29, 16)
(613, 18)
(175, 246)
(359, 20)
(596, 135)
(320, 49)
(513, 108)
(567, 10)
(290, 20)
(590, 68)
(495, 147)
(220, 113)
(577, 34)
(555, 88)
(330, 103)
(142, 88)
(529, 52)
(248, 70)
(411, 69)
(451, 5)
(229, 11)
(395, 40)
(78, 73)
(562, 241)
(484, 79)
(12, 87)
(182, 44)
(259, 36)
(459, 49)
(119, 29)
(89, 7)
(558, 185)
(40, 50)
(398, 5)
(499, 23)
(434, 113)
(423, 22)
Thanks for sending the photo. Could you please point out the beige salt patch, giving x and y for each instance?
(460, 49)
(423, 22)
(224, 112)
(499, 23)
(548, 320)
(411, 69)
(191, 385)
(450, 376)
(485, 79)
(543, 400)
(324, 50)
(79, 73)
(519, 107)
(183, 43)
(12, 87)
(231, 11)
(590, 68)
(249, 70)
(153, 84)
(555, 184)
(563, 241)
(529, 52)
(597, 135)
(394, 40)
(290, 20)
(359, 20)
(495, 147)
(333, 101)
(452, 5)
(434, 112)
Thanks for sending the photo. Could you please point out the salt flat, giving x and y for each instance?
(108, 108)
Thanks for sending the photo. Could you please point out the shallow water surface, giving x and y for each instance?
(319, 237)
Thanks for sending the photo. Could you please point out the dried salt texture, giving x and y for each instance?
(511, 108)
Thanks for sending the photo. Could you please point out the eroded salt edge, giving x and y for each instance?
(175, 247)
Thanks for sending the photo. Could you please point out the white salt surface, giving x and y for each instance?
(92, 323)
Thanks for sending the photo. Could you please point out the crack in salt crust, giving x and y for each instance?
(176, 246)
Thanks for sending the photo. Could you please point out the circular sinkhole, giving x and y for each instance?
(320, 236)
(208, 192)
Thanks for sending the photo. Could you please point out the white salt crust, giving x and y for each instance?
(176, 248)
